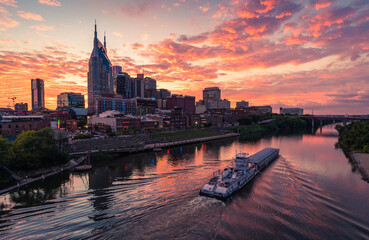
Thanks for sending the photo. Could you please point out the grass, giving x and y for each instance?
(185, 135)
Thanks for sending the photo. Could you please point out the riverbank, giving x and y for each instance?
(111, 146)
(361, 162)
(51, 172)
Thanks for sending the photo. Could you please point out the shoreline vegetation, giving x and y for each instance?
(354, 141)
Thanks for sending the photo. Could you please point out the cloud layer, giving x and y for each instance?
(312, 54)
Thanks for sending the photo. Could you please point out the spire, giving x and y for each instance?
(95, 29)
(104, 40)
(95, 37)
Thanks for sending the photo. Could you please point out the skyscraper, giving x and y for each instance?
(116, 70)
(38, 93)
(99, 78)
(122, 82)
(212, 93)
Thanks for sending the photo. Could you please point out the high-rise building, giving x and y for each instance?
(212, 93)
(100, 74)
(38, 93)
(71, 100)
(116, 70)
(164, 93)
(150, 83)
(138, 86)
(242, 104)
(122, 82)
(21, 107)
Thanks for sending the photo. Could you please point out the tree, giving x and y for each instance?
(4, 150)
(36, 149)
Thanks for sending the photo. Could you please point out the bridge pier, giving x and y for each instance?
(312, 126)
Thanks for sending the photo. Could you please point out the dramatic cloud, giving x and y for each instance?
(312, 54)
(54, 3)
(50, 64)
(30, 16)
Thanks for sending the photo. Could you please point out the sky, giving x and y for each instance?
(312, 54)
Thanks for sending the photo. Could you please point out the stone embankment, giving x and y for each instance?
(105, 147)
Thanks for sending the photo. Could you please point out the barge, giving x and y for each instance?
(236, 175)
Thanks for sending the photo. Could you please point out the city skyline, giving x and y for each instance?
(309, 54)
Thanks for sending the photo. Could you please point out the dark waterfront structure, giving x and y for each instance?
(71, 100)
(38, 93)
(100, 79)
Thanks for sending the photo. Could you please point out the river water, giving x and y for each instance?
(310, 192)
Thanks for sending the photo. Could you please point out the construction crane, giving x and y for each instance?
(13, 99)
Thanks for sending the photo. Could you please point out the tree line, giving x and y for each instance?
(33, 149)
(354, 136)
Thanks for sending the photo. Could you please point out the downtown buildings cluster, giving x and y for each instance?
(117, 101)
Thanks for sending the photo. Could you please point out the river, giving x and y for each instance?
(310, 192)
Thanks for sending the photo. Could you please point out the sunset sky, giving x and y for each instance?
(312, 54)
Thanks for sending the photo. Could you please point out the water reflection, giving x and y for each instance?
(309, 192)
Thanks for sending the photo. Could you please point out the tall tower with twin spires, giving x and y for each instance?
(99, 77)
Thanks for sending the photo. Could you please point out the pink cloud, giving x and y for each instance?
(42, 28)
(30, 16)
(5, 20)
(53, 3)
(12, 3)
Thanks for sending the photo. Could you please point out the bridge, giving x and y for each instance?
(337, 117)
(334, 118)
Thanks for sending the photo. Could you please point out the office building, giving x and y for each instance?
(21, 107)
(99, 78)
(242, 104)
(212, 104)
(187, 103)
(116, 70)
(123, 82)
(212, 93)
(150, 83)
(164, 93)
(70, 100)
(138, 86)
(109, 103)
(38, 93)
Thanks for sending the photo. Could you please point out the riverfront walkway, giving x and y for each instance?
(361, 160)
(115, 145)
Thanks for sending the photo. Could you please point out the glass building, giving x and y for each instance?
(71, 100)
(99, 78)
(38, 93)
